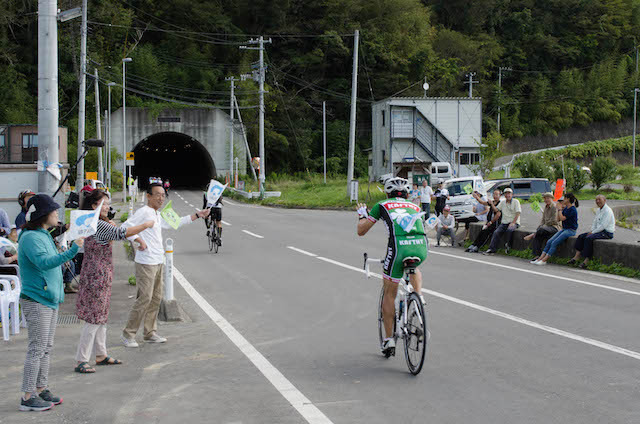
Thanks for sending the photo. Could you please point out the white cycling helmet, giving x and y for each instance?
(396, 184)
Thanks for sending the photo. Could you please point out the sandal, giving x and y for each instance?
(84, 368)
(571, 262)
(109, 361)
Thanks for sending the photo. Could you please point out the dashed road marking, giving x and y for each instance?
(225, 223)
(252, 234)
(304, 252)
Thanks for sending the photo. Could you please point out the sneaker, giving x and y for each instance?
(155, 339)
(507, 248)
(35, 403)
(219, 242)
(389, 347)
(128, 342)
(541, 263)
(49, 397)
(533, 261)
(571, 262)
(490, 252)
(468, 249)
(475, 249)
(438, 244)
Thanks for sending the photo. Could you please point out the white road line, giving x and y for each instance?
(304, 252)
(552, 330)
(225, 223)
(252, 234)
(191, 205)
(295, 397)
(558, 277)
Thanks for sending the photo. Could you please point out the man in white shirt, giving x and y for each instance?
(426, 193)
(603, 227)
(510, 210)
(149, 267)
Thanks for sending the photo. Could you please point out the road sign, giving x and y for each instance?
(91, 176)
(129, 159)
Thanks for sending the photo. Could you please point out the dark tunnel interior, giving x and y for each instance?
(174, 156)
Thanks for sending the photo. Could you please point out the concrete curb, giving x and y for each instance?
(607, 251)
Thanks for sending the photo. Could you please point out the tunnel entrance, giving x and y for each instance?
(174, 156)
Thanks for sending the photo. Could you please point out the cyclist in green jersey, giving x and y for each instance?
(407, 240)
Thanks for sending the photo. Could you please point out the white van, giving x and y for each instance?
(460, 199)
(440, 171)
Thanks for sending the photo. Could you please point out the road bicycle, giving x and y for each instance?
(214, 236)
(410, 323)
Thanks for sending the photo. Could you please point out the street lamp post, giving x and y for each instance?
(124, 129)
(635, 103)
(109, 85)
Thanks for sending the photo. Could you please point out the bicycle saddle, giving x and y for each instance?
(411, 262)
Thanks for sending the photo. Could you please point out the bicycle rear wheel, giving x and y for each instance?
(212, 241)
(415, 341)
(381, 332)
(216, 230)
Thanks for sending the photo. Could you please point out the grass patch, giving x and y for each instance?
(309, 191)
(132, 280)
(610, 194)
(124, 216)
(67, 216)
(499, 174)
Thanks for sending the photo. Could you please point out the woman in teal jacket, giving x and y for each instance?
(42, 291)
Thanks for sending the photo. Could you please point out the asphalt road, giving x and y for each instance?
(511, 343)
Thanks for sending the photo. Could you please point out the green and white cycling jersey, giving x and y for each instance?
(407, 237)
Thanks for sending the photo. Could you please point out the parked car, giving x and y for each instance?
(523, 188)
(440, 171)
(461, 201)
(95, 184)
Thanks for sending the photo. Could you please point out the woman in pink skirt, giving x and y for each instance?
(94, 289)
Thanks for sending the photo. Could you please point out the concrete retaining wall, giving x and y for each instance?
(607, 251)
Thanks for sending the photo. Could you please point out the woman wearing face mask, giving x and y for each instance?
(568, 216)
(42, 292)
(94, 294)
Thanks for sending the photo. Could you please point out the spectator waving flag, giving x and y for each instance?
(84, 223)
(214, 191)
(170, 216)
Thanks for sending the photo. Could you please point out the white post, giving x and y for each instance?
(168, 269)
(111, 84)
(231, 109)
(96, 88)
(352, 120)
(107, 151)
(499, 99)
(235, 181)
(48, 92)
(261, 120)
(324, 139)
(124, 129)
(83, 95)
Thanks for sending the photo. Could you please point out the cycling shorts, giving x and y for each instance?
(216, 214)
(398, 250)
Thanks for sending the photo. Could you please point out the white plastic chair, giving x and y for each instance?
(10, 300)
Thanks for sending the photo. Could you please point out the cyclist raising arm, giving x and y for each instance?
(407, 240)
(215, 216)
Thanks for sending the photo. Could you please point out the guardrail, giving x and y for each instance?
(255, 194)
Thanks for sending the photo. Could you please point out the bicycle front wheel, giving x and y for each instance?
(216, 245)
(212, 241)
(417, 335)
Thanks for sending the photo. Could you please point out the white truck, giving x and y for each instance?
(460, 199)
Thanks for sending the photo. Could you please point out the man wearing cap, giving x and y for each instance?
(446, 224)
(603, 227)
(510, 210)
(549, 225)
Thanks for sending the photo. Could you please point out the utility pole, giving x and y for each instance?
(635, 104)
(83, 95)
(109, 85)
(324, 138)
(96, 88)
(124, 128)
(470, 75)
(107, 151)
(232, 80)
(48, 93)
(352, 120)
(500, 69)
(260, 78)
(244, 135)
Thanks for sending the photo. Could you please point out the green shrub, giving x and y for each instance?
(132, 280)
(603, 170)
(576, 177)
(124, 216)
(532, 166)
(628, 172)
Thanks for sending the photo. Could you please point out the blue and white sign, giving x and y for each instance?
(8, 245)
(432, 221)
(214, 192)
(84, 223)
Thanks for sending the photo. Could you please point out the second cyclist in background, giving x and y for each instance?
(167, 186)
(407, 240)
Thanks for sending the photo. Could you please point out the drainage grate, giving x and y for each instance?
(67, 319)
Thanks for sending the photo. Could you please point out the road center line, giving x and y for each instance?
(298, 400)
(252, 234)
(225, 223)
(558, 277)
(548, 329)
(304, 252)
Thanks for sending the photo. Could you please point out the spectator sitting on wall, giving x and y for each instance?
(603, 227)
(568, 215)
(494, 217)
(446, 224)
(510, 209)
(23, 198)
(549, 225)
(5, 225)
(480, 214)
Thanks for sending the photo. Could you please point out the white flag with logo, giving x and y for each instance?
(84, 223)
(8, 245)
(432, 221)
(214, 191)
